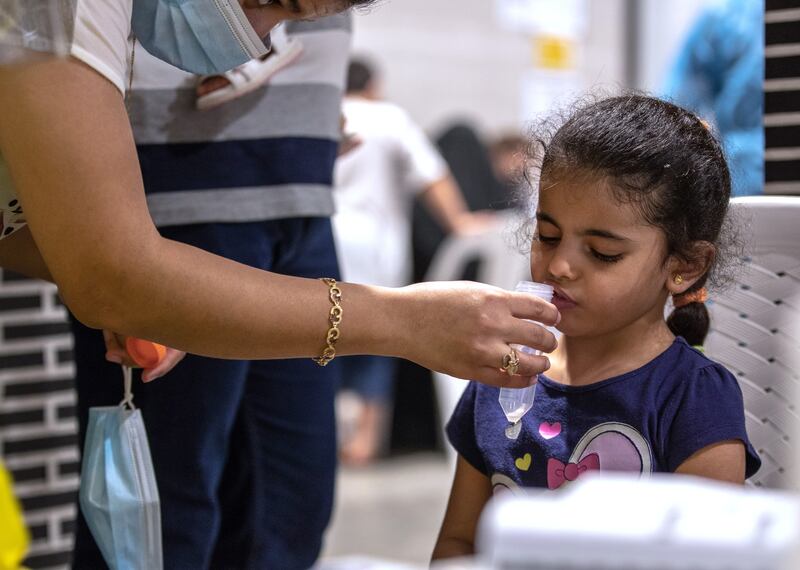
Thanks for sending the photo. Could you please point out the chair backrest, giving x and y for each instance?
(500, 264)
(755, 333)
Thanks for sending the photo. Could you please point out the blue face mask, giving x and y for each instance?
(118, 493)
(205, 37)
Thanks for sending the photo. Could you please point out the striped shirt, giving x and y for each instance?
(266, 155)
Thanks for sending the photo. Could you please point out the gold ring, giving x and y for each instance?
(511, 363)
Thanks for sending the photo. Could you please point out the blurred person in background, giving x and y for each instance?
(375, 185)
(719, 74)
(467, 156)
(508, 154)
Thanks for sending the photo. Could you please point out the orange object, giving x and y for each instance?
(145, 353)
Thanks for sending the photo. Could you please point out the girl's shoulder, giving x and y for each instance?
(688, 363)
(692, 375)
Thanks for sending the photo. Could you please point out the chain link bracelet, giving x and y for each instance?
(335, 319)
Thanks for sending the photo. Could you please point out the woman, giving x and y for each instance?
(67, 145)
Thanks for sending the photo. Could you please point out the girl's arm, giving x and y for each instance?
(470, 492)
(66, 138)
(724, 461)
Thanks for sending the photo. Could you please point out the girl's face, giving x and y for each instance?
(608, 269)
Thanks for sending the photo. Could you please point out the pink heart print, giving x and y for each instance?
(548, 430)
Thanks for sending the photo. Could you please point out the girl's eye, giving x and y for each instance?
(606, 258)
(546, 239)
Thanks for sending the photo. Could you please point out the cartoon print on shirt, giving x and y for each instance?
(523, 463)
(610, 446)
(549, 430)
(503, 483)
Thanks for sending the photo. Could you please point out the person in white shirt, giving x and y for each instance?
(375, 185)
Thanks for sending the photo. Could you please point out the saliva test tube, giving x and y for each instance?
(517, 401)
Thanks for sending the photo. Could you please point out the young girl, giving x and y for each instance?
(633, 196)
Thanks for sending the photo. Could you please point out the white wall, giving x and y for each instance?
(449, 58)
(444, 59)
(663, 27)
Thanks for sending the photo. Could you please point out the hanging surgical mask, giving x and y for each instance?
(205, 37)
(33, 28)
(118, 493)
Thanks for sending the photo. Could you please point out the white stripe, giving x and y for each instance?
(781, 119)
(782, 188)
(782, 50)
(782, 154)
(782, 85)
(777, 16)
(321, 60)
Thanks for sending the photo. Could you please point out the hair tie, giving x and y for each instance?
(699, 296)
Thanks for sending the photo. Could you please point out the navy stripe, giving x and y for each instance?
(237, 164)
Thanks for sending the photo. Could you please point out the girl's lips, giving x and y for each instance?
(561, 301)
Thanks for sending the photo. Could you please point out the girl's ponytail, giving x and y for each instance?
(690, 318)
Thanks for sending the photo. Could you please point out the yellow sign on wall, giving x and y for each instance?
(553, 52)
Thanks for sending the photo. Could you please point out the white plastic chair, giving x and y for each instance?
(500, 264)
(755, 333)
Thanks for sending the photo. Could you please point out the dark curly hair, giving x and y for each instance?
(664, 161)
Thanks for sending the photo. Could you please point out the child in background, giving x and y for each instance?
(633, 196)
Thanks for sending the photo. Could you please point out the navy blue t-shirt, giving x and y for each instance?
(647, 420)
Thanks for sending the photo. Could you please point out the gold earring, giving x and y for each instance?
(678, 279)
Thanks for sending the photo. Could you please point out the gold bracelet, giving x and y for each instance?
(335, 319)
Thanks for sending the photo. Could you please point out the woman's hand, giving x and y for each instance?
(465, 329)
(116, 352)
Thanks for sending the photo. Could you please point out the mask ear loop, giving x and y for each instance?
(127, 401)
(130, 74)
(127, 373)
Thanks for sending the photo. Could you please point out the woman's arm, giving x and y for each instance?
(65, 135)
(18, 252)
(470, 492)
(724, 461)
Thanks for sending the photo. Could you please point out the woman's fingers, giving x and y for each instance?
(527, 306)
(169, 361)
(523, 378)
(531, 365)
(115, 349)
(532, 335)
(117, 353)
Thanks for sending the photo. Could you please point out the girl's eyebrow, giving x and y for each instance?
(544, 217)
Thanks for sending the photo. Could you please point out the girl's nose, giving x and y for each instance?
(560, 267)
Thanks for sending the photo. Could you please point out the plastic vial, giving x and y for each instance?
(517, 401)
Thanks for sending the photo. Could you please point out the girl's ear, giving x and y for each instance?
(685, 272)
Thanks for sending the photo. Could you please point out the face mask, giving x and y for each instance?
(118, 493)
(205, 37)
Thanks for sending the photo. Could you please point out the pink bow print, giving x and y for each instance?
(558, 473)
